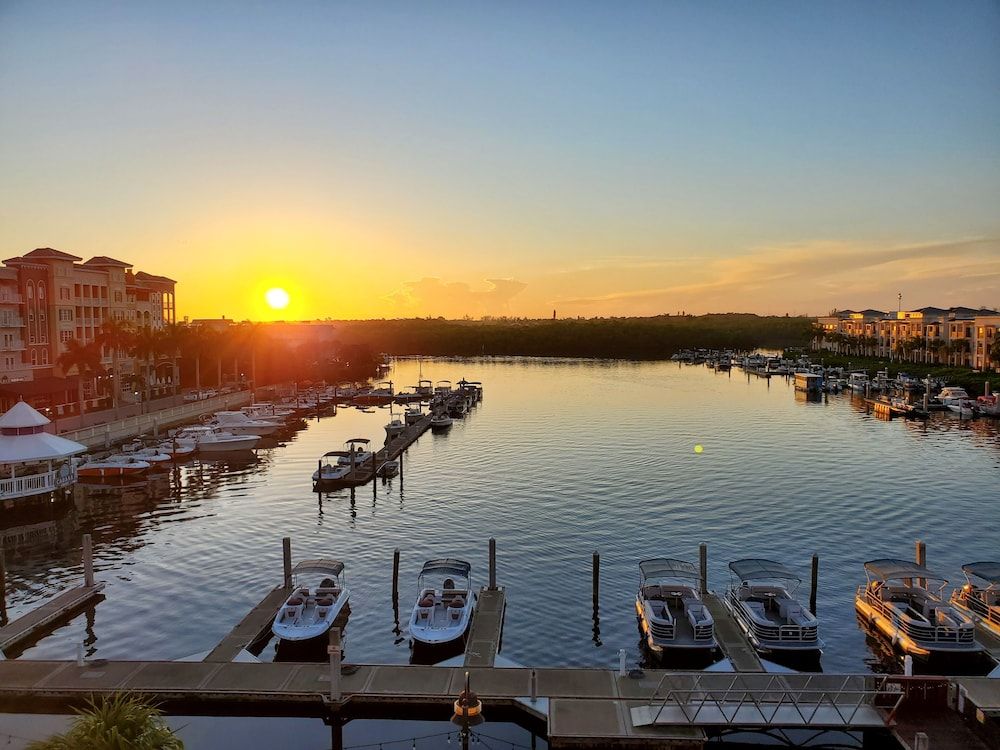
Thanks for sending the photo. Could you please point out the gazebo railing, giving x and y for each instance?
(36, 484)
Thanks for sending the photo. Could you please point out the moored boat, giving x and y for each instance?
(330, 469)
(441, 422)
(442, 612)
(980, 596)
(760, 598)
(239, 423)
(310, 612)
(213, 440)
(113, 466)
(898, 602)
(669, 607)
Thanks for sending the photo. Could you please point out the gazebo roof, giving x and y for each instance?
(22, 414)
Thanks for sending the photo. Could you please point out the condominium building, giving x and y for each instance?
(48, 297)
(956, 335)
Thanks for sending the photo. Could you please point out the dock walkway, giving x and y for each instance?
(732, 641)
(252, 629)
(41, 618)
(487, 628)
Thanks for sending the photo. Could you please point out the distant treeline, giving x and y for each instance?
(624, 338)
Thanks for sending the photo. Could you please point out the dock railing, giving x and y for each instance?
(744, 700)
(964, 633)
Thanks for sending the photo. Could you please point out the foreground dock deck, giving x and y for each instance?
(732, 641)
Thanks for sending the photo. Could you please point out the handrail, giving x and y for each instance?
(961, 633)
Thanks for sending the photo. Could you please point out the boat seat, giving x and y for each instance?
(426, 601)
(457, 603)
(757, 610)
(423, 613)
(295, 601)
(696, 614)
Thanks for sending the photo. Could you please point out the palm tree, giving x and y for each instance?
(248, 337)
(194, 342)
(85, 359)
(172, 337)
(117, 336)
(994, 352)
(122, 721)
(146, 345)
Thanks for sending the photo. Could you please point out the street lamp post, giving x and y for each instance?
(468, 713)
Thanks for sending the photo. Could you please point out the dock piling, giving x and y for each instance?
(395, 575)
(286, 550)
(921, 741)
(88, 561)
(815, 582)
(493, 564)
(334, 651)
(596, 576)
(534, 686)
(921, 557)
(703, 567)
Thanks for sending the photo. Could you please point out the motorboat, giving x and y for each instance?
(310, 612)
(116, 465)
(899, 603)
(952, 394)
(175, 450)
(394, 429)
(980, 596)
(264, 411)
(966, 407)
(408, 397)
(760, 598)
(412, 415)
(380, 395)
(152, 454)
(213, 440)
(442, 612)
(669, 607)
(239, 423)
(989, 405)
(442, 388)
(858, 381)
(425, 388)
(356, 454)
(441, 422)
(389, 468)
(458, 408)
(330, 469)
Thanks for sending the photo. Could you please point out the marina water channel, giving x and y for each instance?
(561, 458)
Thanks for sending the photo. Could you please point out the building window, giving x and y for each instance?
(45, 356)
(34, 357)
(65, 336)
(41, 291)
(31, 290)
(64, 292)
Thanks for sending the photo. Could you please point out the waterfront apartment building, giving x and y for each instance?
(959, 336)
(49, 297)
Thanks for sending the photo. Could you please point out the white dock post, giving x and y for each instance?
(88, 561)
(534, 686)
(334, 650)
(908, 666)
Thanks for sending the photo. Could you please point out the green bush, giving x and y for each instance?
(123, 722)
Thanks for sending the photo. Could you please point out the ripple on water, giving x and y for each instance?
(561, 459)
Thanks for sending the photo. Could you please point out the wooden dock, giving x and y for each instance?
(252, 629)
(732, 641)
(42, 618)
(486, 632)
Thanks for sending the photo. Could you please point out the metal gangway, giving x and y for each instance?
(770, 700)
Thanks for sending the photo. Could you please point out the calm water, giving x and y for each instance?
(560, 459)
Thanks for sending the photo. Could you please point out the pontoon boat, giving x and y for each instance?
(898, 601)
(980, 596)
(760, 599)
(669, 606)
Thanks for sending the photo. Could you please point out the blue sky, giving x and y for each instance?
(598, 158)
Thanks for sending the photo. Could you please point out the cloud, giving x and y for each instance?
(454, 299)
(810, 276)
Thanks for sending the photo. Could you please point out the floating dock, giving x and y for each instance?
(732, 641)
(44, 617)
(252, 629)
(486, 631)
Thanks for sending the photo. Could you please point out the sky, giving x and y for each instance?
(400, 159)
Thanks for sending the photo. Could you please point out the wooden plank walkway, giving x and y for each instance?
(487, 628)
(43, 617)
(251, 629)
(729, 634)
(989, 640)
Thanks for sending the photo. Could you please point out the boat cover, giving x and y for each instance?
(336, 453)
(320, 565)
(752, 568)
(359, 440)
(891, 568)
(668, 567)
(447, 566)
(988, 571)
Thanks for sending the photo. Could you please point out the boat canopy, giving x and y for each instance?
(359, 440)
(668, 567)
(756, 568)
(891, 568)
(319, 565)
(988, 571)
(336, 453)
(447, 566)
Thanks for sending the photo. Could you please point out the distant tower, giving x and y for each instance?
(899, 301)
(553, 315)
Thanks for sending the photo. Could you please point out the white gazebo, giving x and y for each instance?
(32, 461)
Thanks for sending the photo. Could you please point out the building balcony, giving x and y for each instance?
(17, 345)
(11, 321)
(12, 298)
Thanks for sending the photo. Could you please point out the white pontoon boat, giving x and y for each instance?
(760, 599)
(669, 606)
(980, 596)
(899, 603)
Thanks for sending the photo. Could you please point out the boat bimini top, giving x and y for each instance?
(986, 571)
(319, 566)
(756, 569)
(668, 567)
(365, 441)
(446, 566)
(892, 569)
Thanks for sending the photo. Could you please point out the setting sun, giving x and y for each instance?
(276, 298)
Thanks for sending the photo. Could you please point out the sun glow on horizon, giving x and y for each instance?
(277, 298)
